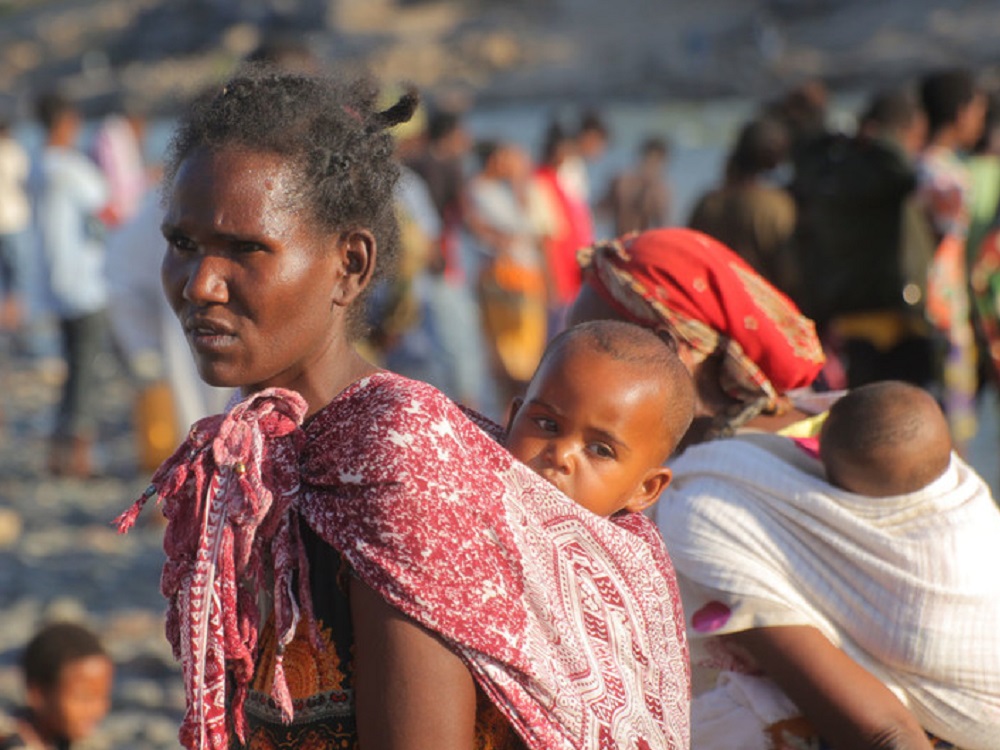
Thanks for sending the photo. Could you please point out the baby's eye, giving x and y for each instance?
(602, 450)
(545, 424)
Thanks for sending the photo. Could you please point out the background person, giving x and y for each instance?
(447, 287)
(564, 219)
(864, 273)
(511, 282)
(641, 197)
(68, 193)
(67, 678)
(15, 222)
(749, 212)
(956, 112)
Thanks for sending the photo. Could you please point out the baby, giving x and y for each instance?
(885, 439)
(607, 405)
(68, 678)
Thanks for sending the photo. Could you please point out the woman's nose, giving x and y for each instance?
(205, 280)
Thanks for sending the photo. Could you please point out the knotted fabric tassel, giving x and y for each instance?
(228, 494)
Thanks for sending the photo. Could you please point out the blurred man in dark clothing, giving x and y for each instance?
(864, 266)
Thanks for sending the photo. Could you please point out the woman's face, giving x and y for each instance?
(258, 287)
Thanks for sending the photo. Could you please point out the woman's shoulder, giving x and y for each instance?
(387, 415)
(394, 397)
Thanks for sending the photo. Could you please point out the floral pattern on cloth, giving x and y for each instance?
(710, 298)
(570, 623)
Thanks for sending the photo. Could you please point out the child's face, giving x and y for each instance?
(594, 429)
(73, 708)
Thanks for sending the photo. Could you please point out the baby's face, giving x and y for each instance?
(593, 429)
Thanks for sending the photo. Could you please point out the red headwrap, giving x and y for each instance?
(713, 301)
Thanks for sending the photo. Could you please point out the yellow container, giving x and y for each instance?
(157, 436)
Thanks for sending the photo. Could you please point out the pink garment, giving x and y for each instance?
(574, 231)
(569, 622)
(118, 153)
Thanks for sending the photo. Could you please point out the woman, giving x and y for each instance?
(350, 560)
(750, 212)
(805, 593)
(511, 283)
(564, 218)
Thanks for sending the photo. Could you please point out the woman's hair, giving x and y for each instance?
(55, 646)
(336, 141)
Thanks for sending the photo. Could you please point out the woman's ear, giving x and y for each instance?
(357, 254)
(653, 484)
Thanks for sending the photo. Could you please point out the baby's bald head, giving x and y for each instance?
(886, 438)
(643, 354)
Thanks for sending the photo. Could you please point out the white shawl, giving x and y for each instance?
(908, 586)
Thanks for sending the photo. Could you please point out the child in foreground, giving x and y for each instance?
(68, 677)
(885, 439)
(606, 407)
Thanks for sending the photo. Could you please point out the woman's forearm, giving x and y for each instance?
(845, 703)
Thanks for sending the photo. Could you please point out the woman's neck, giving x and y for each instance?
(322, 384)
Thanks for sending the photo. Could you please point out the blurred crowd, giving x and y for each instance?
(884, 233)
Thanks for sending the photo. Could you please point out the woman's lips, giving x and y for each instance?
(208, 336)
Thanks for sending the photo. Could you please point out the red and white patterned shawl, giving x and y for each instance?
(569, 622)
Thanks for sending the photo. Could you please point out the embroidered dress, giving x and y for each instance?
(569, 623)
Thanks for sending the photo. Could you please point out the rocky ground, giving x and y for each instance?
(61, 558)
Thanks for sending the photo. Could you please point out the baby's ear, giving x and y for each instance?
(655, 481)
(515, 406)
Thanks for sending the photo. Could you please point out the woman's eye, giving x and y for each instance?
(181, 243)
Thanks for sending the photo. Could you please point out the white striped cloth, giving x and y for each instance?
(908, 586)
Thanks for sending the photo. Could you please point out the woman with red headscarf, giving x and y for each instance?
(745, 342)
(815, 616)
